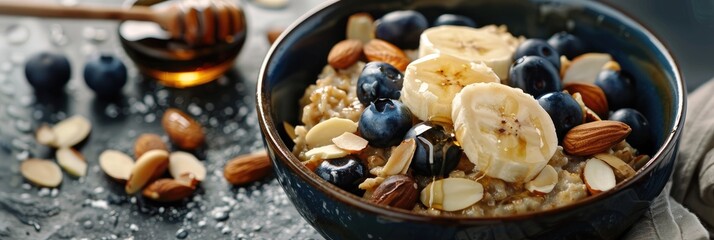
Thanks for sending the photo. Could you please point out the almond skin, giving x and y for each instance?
(345, 53)
(168, 190)
(593, 96)
(594, 137)
(146, 142)
(382, 51)
(398, 191)
(182, 129)
(247, 168)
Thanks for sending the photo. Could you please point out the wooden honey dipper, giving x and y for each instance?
(197, 22)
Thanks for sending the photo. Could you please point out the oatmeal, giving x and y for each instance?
(462, 129)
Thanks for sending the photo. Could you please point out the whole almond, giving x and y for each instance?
(594, 137)
(168, 190)
(182, 129)
(593, 96)
(146, 142)
(345, 53)
(398, 191)
(247, 168)
(382, 51)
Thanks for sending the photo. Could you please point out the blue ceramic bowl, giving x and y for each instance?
(298, 56)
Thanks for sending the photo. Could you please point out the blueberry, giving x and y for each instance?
(535, 76)
(567, 44)
(105, 74)
(537, 47)
(346, 172)
(619, 89)
(563, 110)
(640, 135)
(47, 72)
(437, 152)
(385, 122)
(378, 80)
(455, 20)
(401, 28)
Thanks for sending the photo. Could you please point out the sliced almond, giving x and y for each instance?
(116, 164)
(45, 135)
(145, 168)
(564, 64)
(371, 183)
(598, 176)
(71, 131)
(360, 26)
(544, 182)
(612, 65)
(183, 162)
(622, 170)
(290, 130)
(451, 194)
(43, 173)
(591, 116)
(640, 161)
(323, 133)
(398, 162)
(168, 190)
(350, 142)
(71, 161)
(586, 67)
(326, 152)
(247, 168)
(579, 99)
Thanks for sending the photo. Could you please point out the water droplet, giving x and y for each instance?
(133, 227)
(98, 190)
(194, 109)
(57, 35)
(149, 118)
(69, 3)
(26, 186)
(221, 215)
(54, 193)
(228, 111)
(22, 155)
(201, 223)
(181, 233)
(96, 35)
(17, 34)
(161, 209)
(111, 111)
(43, 192)
(87, 224)
(226, 230)
(23, 126)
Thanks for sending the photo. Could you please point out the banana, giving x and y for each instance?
(503, 131)
(491, 44)
(431, 82)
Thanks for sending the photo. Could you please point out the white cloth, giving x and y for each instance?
(692, 182)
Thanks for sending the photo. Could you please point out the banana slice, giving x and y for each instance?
(491, 44)
(431, 82)
(504, 131)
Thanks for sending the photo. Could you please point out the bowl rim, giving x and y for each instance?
(273, 141)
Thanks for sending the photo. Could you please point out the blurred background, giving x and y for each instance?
(686, 27)
(260, 210)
